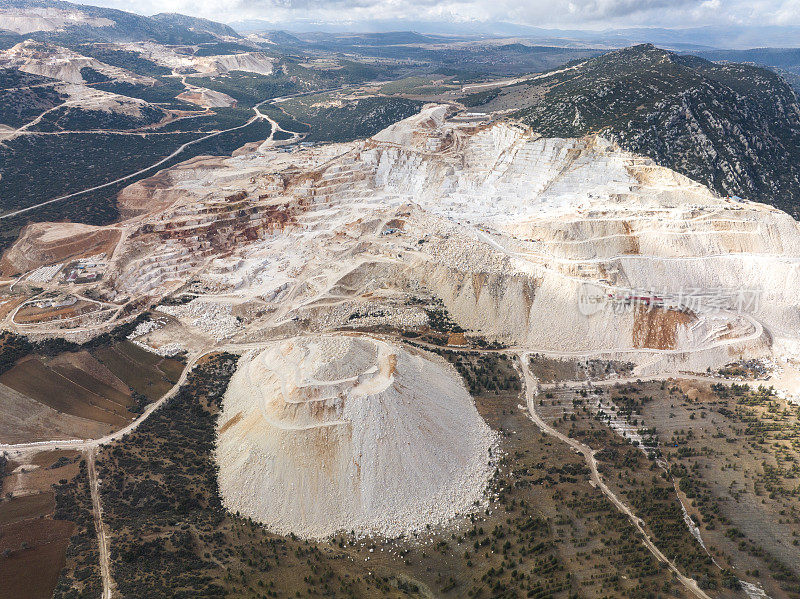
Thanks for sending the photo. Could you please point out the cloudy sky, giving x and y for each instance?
(588, 14)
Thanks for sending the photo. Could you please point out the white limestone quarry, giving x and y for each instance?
(322, 433)
(505, 227)
(207, 98)
(569, 211)
(343, 433)
(27, 19)
(214, 318)
(60, 63)
(90, 98)
(185, 62)
(250, 62)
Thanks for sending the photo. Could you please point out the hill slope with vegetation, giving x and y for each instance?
(733, 127)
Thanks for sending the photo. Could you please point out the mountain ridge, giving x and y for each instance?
(733, 127)
(61, 21)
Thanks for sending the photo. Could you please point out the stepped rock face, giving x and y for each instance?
(46, 243)
(344, 433)
(251, 62)
(35, 18)
(507, 228)
(733, 127)
(207, 98)
(185, 63)
(62, 64)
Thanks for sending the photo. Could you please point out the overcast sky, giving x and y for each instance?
(590, 14)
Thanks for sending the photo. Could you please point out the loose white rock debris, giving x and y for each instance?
(145, 327)
(137, 337)
(210, 317)
(342, 433)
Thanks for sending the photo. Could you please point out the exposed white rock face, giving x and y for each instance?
(251, 62)
(343, 433)
(504, 226)
(28, 19)
(62, 64)
(207, 98)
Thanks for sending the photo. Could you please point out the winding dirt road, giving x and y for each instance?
(255, 117)
(26, 449)
(531, 386)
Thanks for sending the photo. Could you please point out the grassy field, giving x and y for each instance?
(550, 370)
(728, 453)
(735, 454)
(146, 373)
(35, 555)
(546, 531)
(63, 390)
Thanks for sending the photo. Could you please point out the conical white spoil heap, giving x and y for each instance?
(344, 433)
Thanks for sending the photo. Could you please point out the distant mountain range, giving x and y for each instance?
(728, 37)
(195, 24)
(65, 22)
(734, 127)
(60, 21)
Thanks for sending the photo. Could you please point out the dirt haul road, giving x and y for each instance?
(588, 454)
(131, 175)
(102, 541)
(29, 449)
(258, 116)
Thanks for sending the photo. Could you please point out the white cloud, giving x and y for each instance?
(543, 13)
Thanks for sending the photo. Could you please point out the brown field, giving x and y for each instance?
(84, 361)
(32, 542)
(38, 474)
(78, 394)
(24, 420)
(552, 370)
(32, 572)
(31, 314)
(51, 388)
(25, 507)
(547, 532)
(7, 304)
(146, 373)
(86, 380)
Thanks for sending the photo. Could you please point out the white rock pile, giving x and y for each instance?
(343, 433)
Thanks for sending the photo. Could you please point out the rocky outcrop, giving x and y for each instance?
(733, 127)
(62, 64)
(46, 243)
(204, 66)
(567, 245)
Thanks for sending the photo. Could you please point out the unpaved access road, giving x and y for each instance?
(27, 449)
(531, 387)
(131, 175)
(102, 541)
(588, 454)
